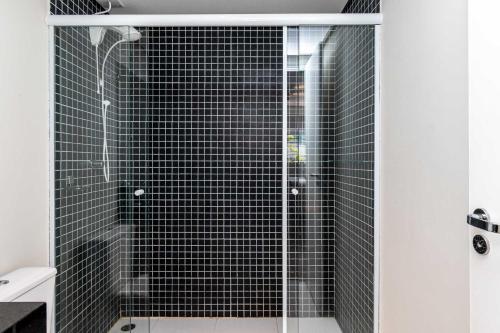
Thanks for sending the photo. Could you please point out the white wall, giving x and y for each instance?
(424, 244)
(24, 232)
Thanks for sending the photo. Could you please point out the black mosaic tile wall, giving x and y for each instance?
(87, 231)
(142, 94)
(208, 138)
(74, 7)
(353, 171)
(362, 6)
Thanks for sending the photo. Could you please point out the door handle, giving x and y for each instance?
(481, 219)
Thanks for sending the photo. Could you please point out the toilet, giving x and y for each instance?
(30, 284)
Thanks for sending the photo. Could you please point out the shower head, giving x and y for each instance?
(127, 34)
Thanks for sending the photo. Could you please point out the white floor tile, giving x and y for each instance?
(246, 325)
(310, 325)
(229, 325)
(183, 325)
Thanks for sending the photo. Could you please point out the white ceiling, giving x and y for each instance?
(227, 6)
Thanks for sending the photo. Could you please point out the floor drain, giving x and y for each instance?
(128, 327)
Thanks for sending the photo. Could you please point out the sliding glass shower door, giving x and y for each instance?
(205, 144)
(330, 167)
(138, 242)
(170, 145)
(310, 224)
(101, 227)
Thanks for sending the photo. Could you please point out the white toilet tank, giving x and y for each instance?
(30, 284)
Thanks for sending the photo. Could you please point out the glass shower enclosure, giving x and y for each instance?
(330, 168)
(204, 174)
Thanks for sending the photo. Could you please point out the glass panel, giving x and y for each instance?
(311, 280)
(95, 231)
(330, 179)
(132, 101)
(216, 115)
(136, 190)
(354, 177)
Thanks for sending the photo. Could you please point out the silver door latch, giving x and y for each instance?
(481, 219)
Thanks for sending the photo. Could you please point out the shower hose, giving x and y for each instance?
(105, 107)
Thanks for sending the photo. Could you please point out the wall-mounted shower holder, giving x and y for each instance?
(72, 185)
(94, 164)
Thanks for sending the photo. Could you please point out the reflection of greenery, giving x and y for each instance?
(296, 149)
(292, 148)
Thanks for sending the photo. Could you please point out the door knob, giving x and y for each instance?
(481, 219)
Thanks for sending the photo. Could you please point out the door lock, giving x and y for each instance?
(481, 244)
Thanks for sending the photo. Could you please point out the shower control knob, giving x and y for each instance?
(480, 244)
(295, 191)
(139, 192)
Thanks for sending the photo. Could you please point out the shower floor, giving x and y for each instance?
(228, 325)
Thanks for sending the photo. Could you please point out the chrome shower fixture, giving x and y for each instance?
(109, 5)
(97, 34)
(128, 34)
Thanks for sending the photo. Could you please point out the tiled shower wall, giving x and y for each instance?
(178, 285)
(214, 184)
(353, 177)
(87, 215)
(362, 6)
(74, 7)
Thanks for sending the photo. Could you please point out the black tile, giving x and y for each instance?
(362, 6)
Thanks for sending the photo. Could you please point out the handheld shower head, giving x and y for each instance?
(97, 35)
(127, 34)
